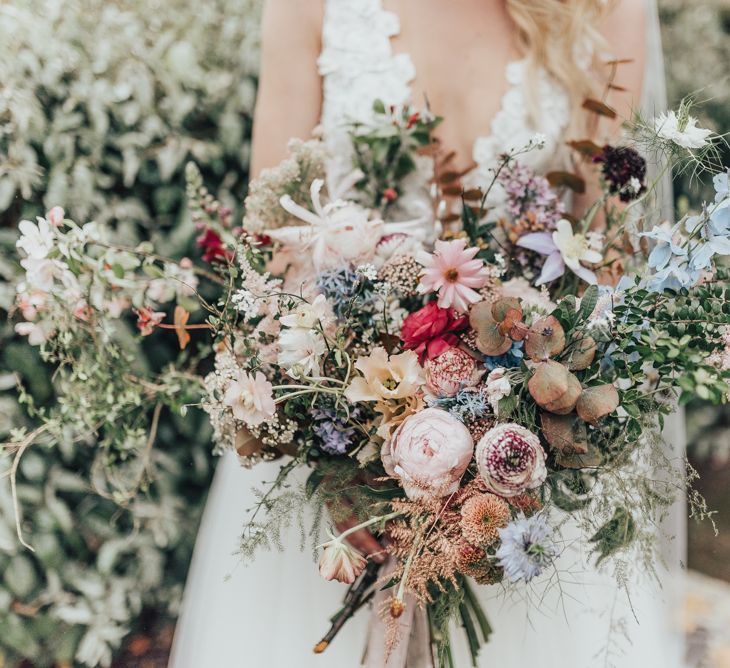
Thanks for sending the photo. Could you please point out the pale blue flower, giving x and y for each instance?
(721, 182)
(676, 275)
(526, 547)
(665, 246)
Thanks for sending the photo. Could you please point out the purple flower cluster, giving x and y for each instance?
(332, 431)
(530, 198)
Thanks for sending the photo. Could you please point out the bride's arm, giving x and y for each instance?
(289, 96)
(625, 30)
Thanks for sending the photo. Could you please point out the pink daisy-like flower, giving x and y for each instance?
(454, 273)
(481, 517)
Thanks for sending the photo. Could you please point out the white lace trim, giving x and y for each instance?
(358, 66)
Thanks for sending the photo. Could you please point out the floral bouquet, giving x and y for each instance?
(460, 382)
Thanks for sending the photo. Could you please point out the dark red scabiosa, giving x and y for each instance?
(624, 169)
(431, 330)
(213, 248)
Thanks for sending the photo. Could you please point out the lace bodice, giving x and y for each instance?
(358, 66)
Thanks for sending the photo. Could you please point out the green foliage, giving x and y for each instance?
(104, 103)
(102, 106)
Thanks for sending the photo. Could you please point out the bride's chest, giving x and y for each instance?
(468, 72)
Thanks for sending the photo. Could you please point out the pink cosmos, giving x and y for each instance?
(454, 273)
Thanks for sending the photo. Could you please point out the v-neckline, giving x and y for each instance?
(502, 109)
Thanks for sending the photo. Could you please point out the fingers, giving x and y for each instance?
(365, 542)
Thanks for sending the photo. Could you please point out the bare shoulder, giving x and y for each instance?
(625, 28)
(296, 20)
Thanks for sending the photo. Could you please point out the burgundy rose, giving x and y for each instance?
(430, 331)
(213, 247)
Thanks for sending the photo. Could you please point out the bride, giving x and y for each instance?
(499, 71)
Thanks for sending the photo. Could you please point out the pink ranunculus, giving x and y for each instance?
(450, 372)
(428, 453)
(510, 460)
(430, 331)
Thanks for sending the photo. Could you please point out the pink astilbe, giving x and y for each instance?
(454, 273)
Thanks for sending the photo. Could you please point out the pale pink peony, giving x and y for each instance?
(454, 273)
(250, 398)
(510, 460)
(428, 453)
(450, 372)
(340, 562)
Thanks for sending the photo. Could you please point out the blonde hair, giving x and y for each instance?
(555, 35)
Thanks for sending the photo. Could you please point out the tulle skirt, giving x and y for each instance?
(271, 613)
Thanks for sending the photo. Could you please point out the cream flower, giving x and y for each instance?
(250, 398)
(300, 351)
(307, 316)
(684, 133)
(338, 234)
(385, 378)
(340, 562)
(498, 387)
(574, 247)
(36, 240)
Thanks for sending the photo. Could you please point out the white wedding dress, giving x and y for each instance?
(271, 614)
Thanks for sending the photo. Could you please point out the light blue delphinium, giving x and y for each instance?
(527, 547)
(665, 247)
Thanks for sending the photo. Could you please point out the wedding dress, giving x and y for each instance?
(271, 613)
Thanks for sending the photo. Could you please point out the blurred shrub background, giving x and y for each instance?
(101, 105)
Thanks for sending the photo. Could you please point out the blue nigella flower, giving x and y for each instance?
(465, 402)
(665, 247)
(341, 286)
(527, 548)
(334, 435)
(511, 359)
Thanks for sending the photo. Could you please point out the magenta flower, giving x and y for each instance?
(563, 248)
(454, 273)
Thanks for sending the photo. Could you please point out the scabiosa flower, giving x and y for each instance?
(510, 460)
(454, 273)
(624, 169)
(527, 548)
(450, 372)
(431, 331)
(481, 517)
(340, 562)
(334, 434)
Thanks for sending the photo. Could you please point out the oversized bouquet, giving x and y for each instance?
(459, 396)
